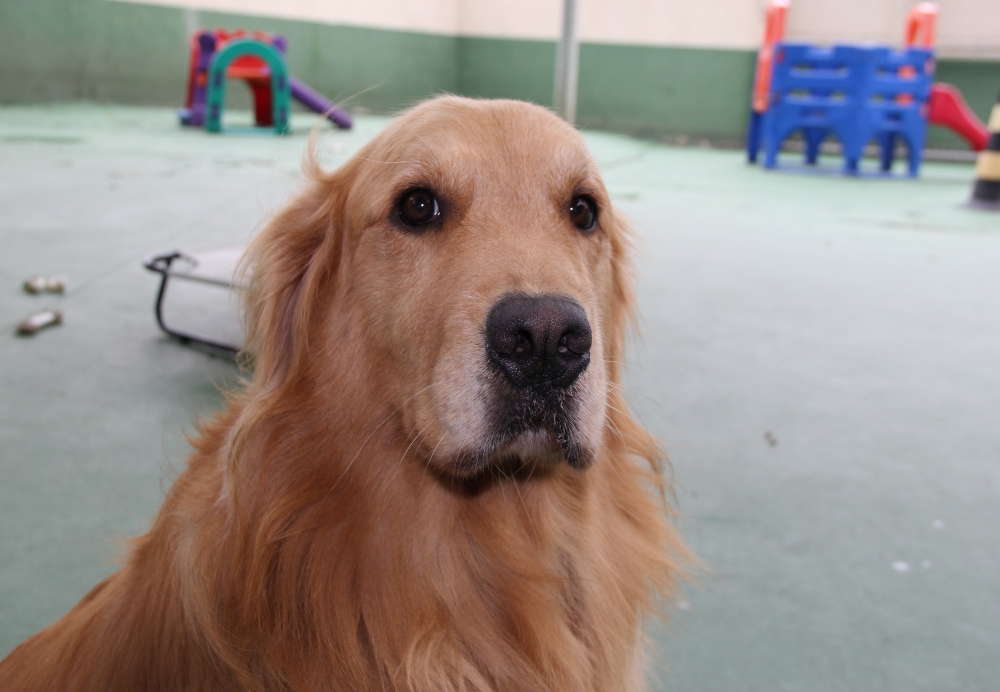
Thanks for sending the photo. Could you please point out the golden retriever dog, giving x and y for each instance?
(432, 480)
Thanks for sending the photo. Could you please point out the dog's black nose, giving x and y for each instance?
(538, 341)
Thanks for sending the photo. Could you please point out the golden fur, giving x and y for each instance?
(321, 536)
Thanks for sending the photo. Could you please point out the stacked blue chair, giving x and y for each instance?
(814, 90)
(896, 94)
(853, 93)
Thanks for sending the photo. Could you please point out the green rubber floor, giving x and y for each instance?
(821, 356)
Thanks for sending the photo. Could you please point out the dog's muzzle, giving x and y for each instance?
(538, 347)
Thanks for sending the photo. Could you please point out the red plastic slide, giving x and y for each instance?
(949, 109)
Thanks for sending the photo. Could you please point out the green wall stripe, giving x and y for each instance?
(639, 89)
(657, 90)
(60, 50)
(507, 68)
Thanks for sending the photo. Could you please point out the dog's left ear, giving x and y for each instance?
(287, 266)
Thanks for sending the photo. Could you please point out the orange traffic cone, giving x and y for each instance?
(986, 193)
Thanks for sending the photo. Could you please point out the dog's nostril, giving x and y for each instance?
(523, 343)
(538, 340)
(576, 342)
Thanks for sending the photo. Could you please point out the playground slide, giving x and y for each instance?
(949, 109)
(315, 101)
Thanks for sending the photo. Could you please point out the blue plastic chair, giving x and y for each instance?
(814, 90)
(895, 97)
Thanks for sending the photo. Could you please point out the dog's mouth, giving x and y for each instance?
(530, 430)
(532, 423)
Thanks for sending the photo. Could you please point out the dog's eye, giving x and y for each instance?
(583, 213)
(418, 208)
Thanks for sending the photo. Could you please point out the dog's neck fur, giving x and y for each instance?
(489, 589)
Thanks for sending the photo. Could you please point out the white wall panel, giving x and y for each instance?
(966, 28)
(539, 19)
(426, 16)
(709, 23)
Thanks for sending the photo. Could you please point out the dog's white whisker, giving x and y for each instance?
(421, 432)
(624, 364)
(412, 442)
(642, 428)
(372, 434)
(385, 163)
(503, 493)
(630, 390)
(527, 512)
(430, 459)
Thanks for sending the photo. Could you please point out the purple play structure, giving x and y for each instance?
(258, 59)
(315, 101)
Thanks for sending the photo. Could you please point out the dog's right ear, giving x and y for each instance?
(286, 269)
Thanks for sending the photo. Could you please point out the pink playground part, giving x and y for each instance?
(949, 109)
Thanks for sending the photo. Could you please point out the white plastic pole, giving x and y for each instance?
(190, 23)
(567, 64)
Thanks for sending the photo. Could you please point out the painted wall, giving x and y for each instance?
(966, 28)
(711, 23)
(425, 16)
(58, 50)
(384, 55)
(645, 90)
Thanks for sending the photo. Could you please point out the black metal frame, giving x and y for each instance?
(161, 265)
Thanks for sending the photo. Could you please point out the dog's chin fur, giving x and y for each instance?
(534, 451)
(343, 524)
(529, 429)
(538, 448)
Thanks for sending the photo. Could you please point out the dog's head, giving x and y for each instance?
(465, 274)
